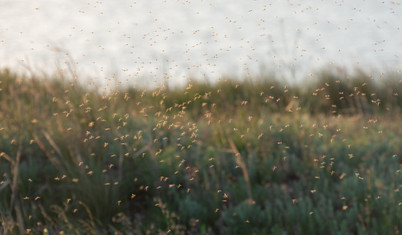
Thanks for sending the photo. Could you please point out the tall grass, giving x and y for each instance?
(249, 157)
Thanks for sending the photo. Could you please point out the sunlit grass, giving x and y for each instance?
(228, 158)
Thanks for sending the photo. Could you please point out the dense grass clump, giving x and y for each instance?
(249, 157)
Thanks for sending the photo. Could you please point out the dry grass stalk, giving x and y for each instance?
(52, 159)
(242, 164)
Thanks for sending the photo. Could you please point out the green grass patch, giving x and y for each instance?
(235, 157)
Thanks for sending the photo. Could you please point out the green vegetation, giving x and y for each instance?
(249, 157)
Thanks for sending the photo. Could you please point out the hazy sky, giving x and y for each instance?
(205, 39)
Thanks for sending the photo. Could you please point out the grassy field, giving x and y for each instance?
(249, 157)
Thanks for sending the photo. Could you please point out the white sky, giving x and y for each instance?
(205, 39)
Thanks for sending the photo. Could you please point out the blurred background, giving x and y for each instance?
(286, 121)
